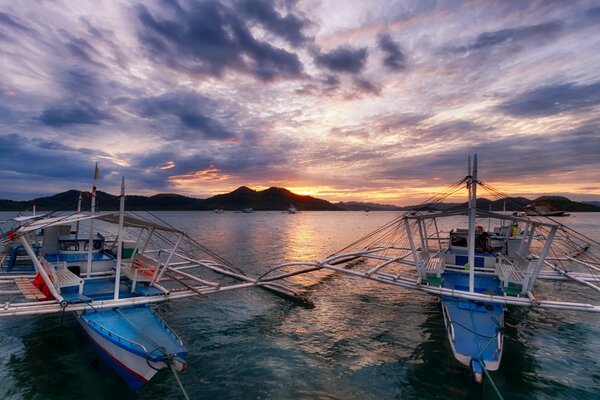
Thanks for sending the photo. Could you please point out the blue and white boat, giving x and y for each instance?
(476, 274)
(110, 288)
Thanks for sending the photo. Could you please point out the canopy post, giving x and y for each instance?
(158, 276)
(540, 261)
(472, 214)
(120, 239)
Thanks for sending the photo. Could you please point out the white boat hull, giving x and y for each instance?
(136, 370)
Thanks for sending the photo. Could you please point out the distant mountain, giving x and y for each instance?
(363, 206)
(562, 203)
(269, 199)
(273, 198)
(594, 203)
(512, 204)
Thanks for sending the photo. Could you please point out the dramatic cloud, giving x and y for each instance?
(288, 27)
(543, 31)
(189, 109)
(554, 99)
(343, 100)
(72, 114)
(343, 59)
(394, 57)
(209, 38)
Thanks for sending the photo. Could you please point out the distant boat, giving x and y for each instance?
(292, 209)
(544, 209)
(219, 211)
(247, 210)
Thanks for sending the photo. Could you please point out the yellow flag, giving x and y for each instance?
(96, 173)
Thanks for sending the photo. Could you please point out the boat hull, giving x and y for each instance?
(474, 328)
(134, 369)
(134, 341)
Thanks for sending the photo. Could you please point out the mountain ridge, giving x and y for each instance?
(270, 199)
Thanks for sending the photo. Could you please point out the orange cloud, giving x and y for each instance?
(210, 174)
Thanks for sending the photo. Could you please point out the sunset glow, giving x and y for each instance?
(345, 101)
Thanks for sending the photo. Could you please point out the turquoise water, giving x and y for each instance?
(362, 340)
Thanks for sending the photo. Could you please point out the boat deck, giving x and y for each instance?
(103, 289)
(476, 325)
(139, 329)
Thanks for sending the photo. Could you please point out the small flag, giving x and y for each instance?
(96, 173)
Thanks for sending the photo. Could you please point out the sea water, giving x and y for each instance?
(362, 340)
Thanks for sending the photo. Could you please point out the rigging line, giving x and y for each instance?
(438, 198)
(194, 242)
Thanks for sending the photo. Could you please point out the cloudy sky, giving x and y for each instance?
(345, 100)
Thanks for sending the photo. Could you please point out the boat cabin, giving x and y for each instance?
(457, 253)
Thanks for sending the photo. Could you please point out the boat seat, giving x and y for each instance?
(141, 269)
(434, 267)
(513, 280)
(61, 276)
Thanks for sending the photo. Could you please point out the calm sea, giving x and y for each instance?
(361, 341)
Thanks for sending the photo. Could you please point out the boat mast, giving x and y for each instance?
(91, 239)
(472, 215)
(120, 239)
(78, 211)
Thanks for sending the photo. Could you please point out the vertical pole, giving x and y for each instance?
(120, 239)
(147, 241)
(412, 247)
(542, 258)
(78, 211)
(91, 239)
(157, 276)
(472, 215)
(423, 238)
(437, 233)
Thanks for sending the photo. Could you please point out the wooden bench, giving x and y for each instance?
(434, 267)
(513, 280)
(141, 269)
(61, 277)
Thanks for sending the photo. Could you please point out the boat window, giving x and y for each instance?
(459, 241)
(69, 246)
(97, 245)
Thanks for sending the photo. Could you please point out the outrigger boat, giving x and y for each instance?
(110, 286)
(476, 274)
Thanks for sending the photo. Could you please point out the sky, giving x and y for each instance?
(343, 100)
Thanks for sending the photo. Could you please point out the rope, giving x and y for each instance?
(185, 395)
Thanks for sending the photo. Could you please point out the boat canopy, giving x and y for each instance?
(112, 218)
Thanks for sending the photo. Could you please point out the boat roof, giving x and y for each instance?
(481, 214)
(112, 218)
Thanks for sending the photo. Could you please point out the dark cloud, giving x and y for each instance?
(544, 31)
(553, 99)
(322, 86)
(81, 49)
(288, 27)
(190, 110)
(394, 56)
(594, 12)
(11, 22)
(72, 114)
(343, 59)
(52, 160)
(364, 86)
(210, 38)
